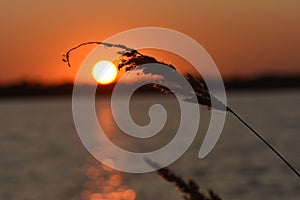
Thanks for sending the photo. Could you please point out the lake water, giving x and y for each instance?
(42, 156)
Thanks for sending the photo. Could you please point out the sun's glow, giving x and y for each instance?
(104, 72)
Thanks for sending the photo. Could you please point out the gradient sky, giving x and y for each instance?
(245, 38)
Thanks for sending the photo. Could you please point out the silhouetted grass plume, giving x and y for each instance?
(189, 188)
(130, 59)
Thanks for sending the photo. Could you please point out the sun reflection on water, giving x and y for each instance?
(105, 183)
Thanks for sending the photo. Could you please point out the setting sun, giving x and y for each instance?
(104, 72)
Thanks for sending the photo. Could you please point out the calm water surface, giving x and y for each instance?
(43, 158)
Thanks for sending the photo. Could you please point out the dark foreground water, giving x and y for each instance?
(41, 156)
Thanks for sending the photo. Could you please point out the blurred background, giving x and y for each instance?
(254, 44)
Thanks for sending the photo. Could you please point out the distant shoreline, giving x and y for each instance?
(28, 89)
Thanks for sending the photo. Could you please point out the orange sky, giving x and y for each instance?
(245, 38)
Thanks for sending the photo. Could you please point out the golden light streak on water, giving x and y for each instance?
(104, 183)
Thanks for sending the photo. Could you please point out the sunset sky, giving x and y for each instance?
(245, 38)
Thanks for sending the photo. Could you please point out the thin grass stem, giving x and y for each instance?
(265, 141)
